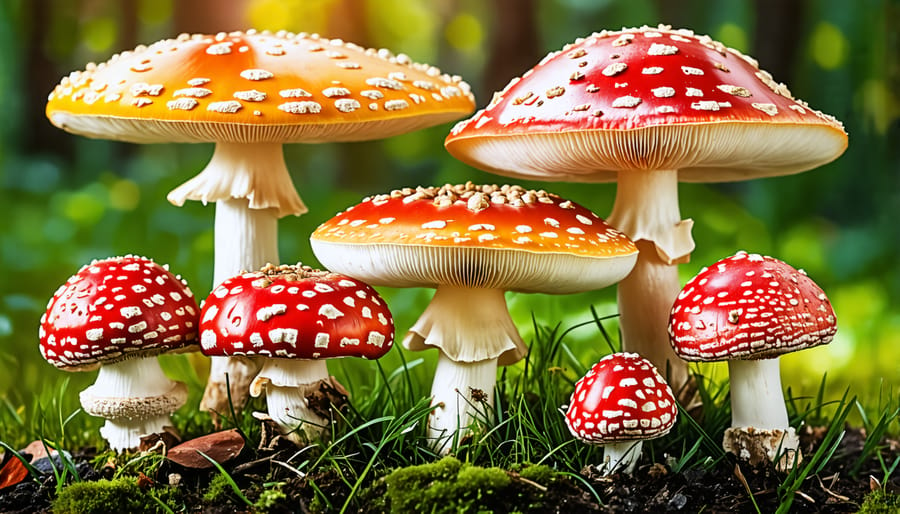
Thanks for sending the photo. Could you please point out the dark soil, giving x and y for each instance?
(652, 488)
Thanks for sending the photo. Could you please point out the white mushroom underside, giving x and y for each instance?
(488, 268)
(715, 152)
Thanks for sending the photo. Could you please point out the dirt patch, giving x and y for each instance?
(725, 487)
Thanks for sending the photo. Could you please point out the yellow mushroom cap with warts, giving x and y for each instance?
(253, 87)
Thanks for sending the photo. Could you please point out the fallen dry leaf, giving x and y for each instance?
(12, 473)
(219, 446)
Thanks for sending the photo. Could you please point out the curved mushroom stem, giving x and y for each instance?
(759, 422)
(646, 209)
(621, 457)
(474, 332)
(462, 392)
(288, 384)
(135, 397)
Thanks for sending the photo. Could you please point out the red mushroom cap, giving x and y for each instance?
(646, 98)
(295, 312)
(116, 308)
(621, 398)
(749, 306)
(475, 236)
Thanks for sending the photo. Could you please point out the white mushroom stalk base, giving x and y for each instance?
(136, 398)
(462, 393)
(620, 457)
(474, 332)
(287, 384)
(646, 209)
(759, 430)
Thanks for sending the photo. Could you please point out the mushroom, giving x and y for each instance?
(619, 403)
(647, 107)
(472, 243)
(118, 314)
(748, 309)
(249, 93)
(296, 317)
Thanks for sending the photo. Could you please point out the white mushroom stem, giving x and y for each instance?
(287, 383)
(620, 457)
(135, 397)
(252, 188)
(646, 209)
(474, 332)
(456, 407)
(759, 422)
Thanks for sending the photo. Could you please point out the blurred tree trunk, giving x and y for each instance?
(210, 16)
(514, 45)
(776, 38)
(41, 76)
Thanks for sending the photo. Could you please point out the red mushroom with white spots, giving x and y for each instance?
(619, 403)
(647, 108)
(296, 318)
(472, 243)
(749, 309)
(118, 314)
(250, 93)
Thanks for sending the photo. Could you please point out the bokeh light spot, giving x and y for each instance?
(828, 45)
(100, 34)
(732, 35)
(464, 32)
(124, 195)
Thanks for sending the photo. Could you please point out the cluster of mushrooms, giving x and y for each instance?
(646, 107)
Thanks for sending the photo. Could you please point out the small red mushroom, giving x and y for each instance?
(296, 317)
(118, 314)
(620, 402)
(749, 309)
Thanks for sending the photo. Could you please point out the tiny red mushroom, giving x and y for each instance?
(647, 107)
(296, 317)
(621, 402)
(118, 314)
(749, 309)
(472, 243)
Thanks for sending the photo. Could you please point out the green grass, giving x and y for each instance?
(384, 430)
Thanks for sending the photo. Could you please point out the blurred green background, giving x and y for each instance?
(66, 200)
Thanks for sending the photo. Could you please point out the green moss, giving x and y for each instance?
(447, 486)
(103, 496)
(881, 502)
(219, 490)
(540, 473)
(270, 499)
